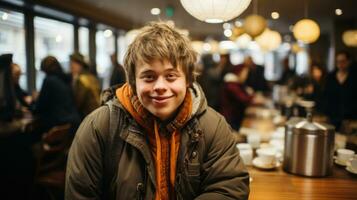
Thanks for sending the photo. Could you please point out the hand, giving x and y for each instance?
(28, 100)
(35, 95)
(249, 90)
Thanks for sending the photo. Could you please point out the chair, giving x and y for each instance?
(51, 162)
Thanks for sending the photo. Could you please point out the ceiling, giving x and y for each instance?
(137, 13)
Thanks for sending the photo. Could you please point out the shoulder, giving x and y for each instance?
(97, 122)
(104, 117)
(51, 82)
(50, 79)
(213, 124)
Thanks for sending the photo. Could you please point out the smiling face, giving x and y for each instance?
(160, 87)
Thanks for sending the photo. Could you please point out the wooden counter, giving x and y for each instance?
(279, 185)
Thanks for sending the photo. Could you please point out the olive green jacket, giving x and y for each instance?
(110, 158)
(86, 89)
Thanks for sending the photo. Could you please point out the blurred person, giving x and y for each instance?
(235, 97)
(215, 79)
(118, 72)
(156, 138)
(255, 79)
(7, 95)
(22, 96)
(208, 80)
(55, 103)
(85, 85)
(17, 166)
(340, 95)
(205, 64)
(288, 74)
(315, 86)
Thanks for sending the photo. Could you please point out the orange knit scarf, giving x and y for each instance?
(164, 147)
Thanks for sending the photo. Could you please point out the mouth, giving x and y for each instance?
(160, 99)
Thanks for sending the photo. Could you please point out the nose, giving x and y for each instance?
(160, 85)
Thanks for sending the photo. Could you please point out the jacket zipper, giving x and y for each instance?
(140, 191)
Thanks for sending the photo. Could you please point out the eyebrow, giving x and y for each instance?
(146, 71)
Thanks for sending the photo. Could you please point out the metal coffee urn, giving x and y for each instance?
(309, 146)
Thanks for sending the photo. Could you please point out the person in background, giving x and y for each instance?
(315, 86)
(206, 63)
(7, 95)
(86, 87)
(55, 104)
(118, 72)
(255, 79)
(235, 97)
(288, 74)
(215, 79)
(22, 96)
(340, 94)
(157, 138)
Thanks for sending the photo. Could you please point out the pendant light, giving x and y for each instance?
(350, 38)
(254, 24)
(215, 11)
(306, 30)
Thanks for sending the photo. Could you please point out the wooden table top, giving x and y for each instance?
(17, 125)
(279, 185)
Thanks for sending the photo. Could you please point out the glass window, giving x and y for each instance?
(84, 41)
(302, 62)
(105, 47)
(122, 47)
(52, 38)
(12, 40)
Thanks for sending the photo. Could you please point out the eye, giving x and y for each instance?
(148, 78)
(171, 76)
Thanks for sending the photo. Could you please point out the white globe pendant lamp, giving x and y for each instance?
(215, 11)
(306, 30)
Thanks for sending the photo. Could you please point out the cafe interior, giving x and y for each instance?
(282, 72)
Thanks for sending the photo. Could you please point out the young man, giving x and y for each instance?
(156, 138)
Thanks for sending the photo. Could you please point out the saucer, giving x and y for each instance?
(349, 169)
(259, 164)
(338, 162)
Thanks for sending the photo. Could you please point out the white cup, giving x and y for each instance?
(267, 155)
(246, 153)
(343, 155)
(254, 140)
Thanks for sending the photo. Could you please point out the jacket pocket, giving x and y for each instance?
(193, 169)
(193, 178)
